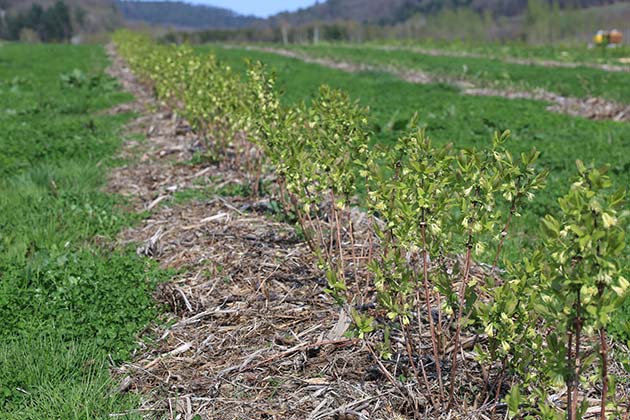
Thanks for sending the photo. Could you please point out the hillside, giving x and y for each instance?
(98, 15)
(182, 15)
(392, 11)
(104, 15)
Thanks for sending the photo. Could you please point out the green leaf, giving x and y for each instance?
(513, 400)
(580, 166)
(550, 227)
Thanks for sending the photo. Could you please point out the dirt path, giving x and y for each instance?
(512, 60)
(250, 331)
(591, 108)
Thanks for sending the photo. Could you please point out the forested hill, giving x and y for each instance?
(87, 15)
(391, 11)
(182, 15)
(99, 15)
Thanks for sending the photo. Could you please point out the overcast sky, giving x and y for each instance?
(261, 8)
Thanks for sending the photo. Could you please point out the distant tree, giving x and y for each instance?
(182, 15)
(29, 35)
(56, 22)
(34, 19)
(335, 32)
(79, 16)
(538, 20)
(50, 25)
(284, 28)
(14, 25)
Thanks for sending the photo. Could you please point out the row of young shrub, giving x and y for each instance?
(540, 323)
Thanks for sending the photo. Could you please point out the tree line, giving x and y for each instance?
(545, 22)
(52, 24)
(182, 15)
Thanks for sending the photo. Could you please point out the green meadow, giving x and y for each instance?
(68, 306)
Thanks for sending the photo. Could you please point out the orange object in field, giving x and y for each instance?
(615, 37)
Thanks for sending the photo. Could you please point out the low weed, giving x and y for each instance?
(204, 193)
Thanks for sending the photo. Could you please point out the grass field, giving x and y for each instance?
(580, 82)
(67, 304)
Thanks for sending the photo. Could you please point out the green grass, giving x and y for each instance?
(57, 380)
(205, 192)
(67, 304)
(580, 82)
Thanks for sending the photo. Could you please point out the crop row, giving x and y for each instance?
(580, 81)
(464, 120)
(431, 213)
